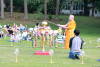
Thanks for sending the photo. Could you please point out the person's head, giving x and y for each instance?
(25, 30)
(59, 34)
(76, 32)
(71, 17)
(28, 33)
(25, 26)
(7, 24)
(18, 32)
(20, 24)
(9, 28)
(14, 24)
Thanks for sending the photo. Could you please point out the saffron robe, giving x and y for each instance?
(69, 33)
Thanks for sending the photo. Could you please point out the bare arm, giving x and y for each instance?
(63, 26)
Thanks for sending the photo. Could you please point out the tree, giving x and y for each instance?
(17, 4)
(93, 8)
(25, 10)
(85, 7)
(2, 8)
(98, 5)
(94, 4)
(11, 8)
(72, 4)
(45, 9)
(57, 9)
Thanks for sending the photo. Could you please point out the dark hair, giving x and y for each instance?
(37, 24)
(77, 32)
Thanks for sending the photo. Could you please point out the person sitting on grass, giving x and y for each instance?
(18, 36)
(0, 26)
(1, 33)
(13, 37)
(7, 28)
(75, 45)
(26, 28)
(28, 37)
(21, 28)
(10, 31)
(17, 28)
(14, 27)
(24, 34)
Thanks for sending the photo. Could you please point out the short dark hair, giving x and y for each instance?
(77, 32)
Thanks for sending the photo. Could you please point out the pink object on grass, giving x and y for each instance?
(42, 53)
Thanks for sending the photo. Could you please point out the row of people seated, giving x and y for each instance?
(18, 37)
(15, 28)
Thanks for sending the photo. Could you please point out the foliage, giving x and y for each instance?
(17, 4)
(50, 17)
(18, 16)
(98, 5)
(7, 2)
(0, 18)
(60, 19)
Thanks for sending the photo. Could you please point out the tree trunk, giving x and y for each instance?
(85, 7)
(22, 6)
(11, 8)
(93, 8)
(71, 10)
(25, 10)
(57, 9)
(45, 9)
(2, 8)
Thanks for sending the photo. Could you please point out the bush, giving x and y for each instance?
(18, 16)
(60, 19)
(0, 18)
(50, 17)
(38, 18)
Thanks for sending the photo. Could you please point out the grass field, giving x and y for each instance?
(90, 31)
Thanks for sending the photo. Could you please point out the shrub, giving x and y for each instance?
(0, 18)
(50, 17)
(60, 19)
(18, 16)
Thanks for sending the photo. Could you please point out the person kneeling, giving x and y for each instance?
(75, 45)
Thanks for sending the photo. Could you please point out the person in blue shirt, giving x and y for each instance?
(75, 45)
(26, 28)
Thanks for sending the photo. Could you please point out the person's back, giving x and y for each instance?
(76, 44)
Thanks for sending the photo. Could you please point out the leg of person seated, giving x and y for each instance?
(0, 35)
(6, 30)
(74, 57)
(77, 55)
(70, 55)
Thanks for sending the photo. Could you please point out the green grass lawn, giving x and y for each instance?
(90, 31)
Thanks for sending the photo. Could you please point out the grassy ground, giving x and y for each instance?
(90, 31)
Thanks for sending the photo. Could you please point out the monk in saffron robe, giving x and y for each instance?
(69, 30)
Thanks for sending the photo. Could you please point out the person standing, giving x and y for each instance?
(69, 30)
